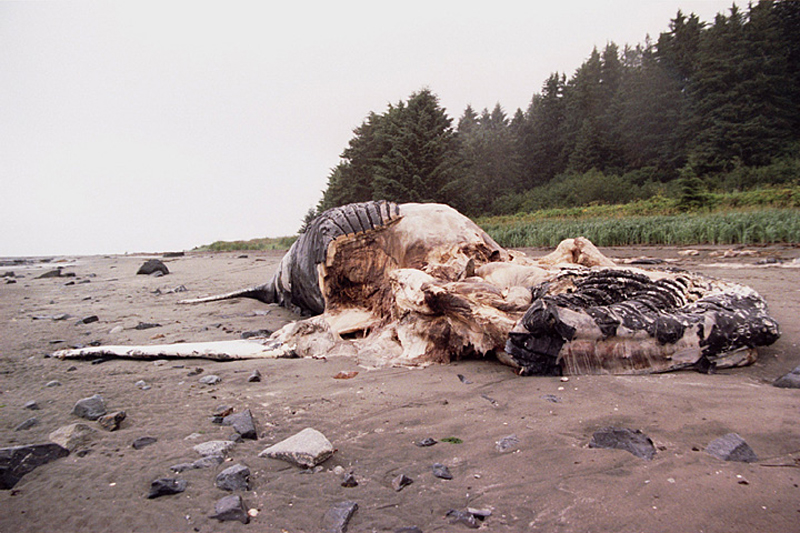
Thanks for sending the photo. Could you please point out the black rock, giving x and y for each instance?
(441, 471)
(17, 461)
(236, 477)
(338, 517)
(790, 380)
(732, 447)
(242, 423)
(90, 408)
(230, 508)
(412, 529)
(88, 319)
(146, 325)
(629, 440)
(256, 333)
(254, 377)
(400, 482)
(464, 380)
(349, 480)
(166, 486)
(28, 424)
(462, 517)
(167, 255)
(141, 442)
(427, 441)
(153, 265)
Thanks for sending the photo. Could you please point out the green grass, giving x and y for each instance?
(266, 243)
(739, 227)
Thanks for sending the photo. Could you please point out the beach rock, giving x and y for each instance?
(17, 461)
(116, 329)
(142, 384)
(629, 440)
(256, 333)
(166, 486)
(400, 482)
(463, 379)
(167, 255)
(209, 461)
(790, 380)
(153, 265)
(54, 383)
(57, 273)
(90, 408)
(146, 325)
(427, 441)
(509, 443)
(338, 517)
(732, 447)
(441, 471)
(73, 436)
(111, 421)
(88, 319)
(210, 379)
(142, 442)
(230, 508)
(214, 447)
(27, 424)
(236, 477)
(462, 517)
(411, 529)
(349, 480)
(32, 405)
(242, 423)
(305, 449)
(254, 377)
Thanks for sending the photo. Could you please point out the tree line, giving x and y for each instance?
(705, 106)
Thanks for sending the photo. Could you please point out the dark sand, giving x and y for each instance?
(554, 482)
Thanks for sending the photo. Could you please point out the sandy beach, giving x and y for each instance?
(551, 480)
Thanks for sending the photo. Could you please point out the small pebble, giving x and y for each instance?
(32, 405)
(141, 442)
(166, 486)
(441, 471)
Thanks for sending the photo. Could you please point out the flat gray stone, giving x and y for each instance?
(214, 447)
(732, 447)
(633, 441)
(17, 461)
(90, 408)
(305, 449)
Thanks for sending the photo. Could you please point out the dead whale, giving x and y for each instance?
(414, 284)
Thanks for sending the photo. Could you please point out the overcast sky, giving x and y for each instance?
(157, 126)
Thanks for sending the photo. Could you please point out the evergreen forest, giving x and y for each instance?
(706, 108)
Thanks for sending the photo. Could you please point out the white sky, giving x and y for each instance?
(156, 126)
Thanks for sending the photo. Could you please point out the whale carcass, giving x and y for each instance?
(414, 284)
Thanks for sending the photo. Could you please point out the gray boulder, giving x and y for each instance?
(17, 461)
